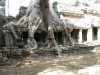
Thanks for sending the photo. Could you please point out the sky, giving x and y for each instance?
(15, 4)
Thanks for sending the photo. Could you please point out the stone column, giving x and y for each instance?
(8, 39)
(98, 34)
(89, 35)
(80, 36)
(11, 42)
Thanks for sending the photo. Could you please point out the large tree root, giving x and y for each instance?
(56, 47)
(31, 44)
(52, 44)
(38, 13)
(68, 36)
(51, 39)
(31, 30)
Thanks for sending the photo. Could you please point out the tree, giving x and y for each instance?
(40, 13)
(22, 12)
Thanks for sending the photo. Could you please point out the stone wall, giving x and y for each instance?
(2, 22)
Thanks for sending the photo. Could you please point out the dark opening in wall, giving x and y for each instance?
(84, 35)
(22, 41)
(24, 36)
(58, 37)
(95, 31)
(2, 40)
(75, 34)
(40, 38)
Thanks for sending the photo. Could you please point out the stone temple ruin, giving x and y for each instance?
(84, 19)
(80, 19)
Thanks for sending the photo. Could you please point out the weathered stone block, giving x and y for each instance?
(4, 59)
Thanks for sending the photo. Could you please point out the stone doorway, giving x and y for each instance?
(84, 35)
(95, 31)
(58, 37)
(75, 34)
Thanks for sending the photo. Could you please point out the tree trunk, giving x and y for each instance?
(48, 21)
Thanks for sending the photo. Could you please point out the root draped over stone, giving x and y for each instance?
(39, 13)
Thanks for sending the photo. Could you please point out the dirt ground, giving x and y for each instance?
(44, 65)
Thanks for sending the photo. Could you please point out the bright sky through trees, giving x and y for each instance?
(15, 4)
